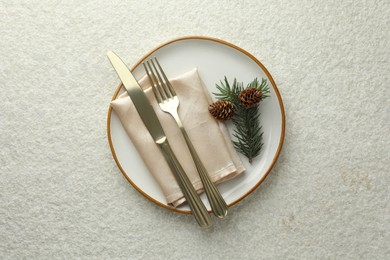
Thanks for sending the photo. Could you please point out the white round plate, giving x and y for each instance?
(214, 59)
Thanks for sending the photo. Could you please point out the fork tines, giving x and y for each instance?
(158, 80)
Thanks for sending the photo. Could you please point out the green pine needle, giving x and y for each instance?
(227, 92)
(248, 132)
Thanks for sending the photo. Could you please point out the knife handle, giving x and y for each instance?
(198, 208)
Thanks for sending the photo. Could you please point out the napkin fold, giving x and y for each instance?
(209, 137)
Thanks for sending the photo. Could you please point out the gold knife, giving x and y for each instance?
(154, 127)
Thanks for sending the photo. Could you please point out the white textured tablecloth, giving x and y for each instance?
(63, 197)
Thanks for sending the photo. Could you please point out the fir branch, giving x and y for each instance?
(248, 131)
(227, 92)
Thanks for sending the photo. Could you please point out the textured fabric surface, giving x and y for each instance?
(63, 197)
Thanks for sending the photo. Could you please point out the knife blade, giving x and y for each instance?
(152, 123)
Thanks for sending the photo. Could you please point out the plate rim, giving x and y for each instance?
(281, 141)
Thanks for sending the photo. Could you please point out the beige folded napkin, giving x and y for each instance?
(209, 137)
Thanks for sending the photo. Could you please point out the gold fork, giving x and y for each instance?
(169, 103)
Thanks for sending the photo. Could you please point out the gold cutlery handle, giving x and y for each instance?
(169, 103)
(198, 209)
(217, 203)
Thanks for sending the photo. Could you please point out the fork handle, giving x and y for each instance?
(217, 203)
(198, 208)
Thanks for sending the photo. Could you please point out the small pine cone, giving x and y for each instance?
(250, 97)
(221, 110)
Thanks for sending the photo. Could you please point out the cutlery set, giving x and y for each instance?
(168, 102)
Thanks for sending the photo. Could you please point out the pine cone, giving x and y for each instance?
(221, 110)
(250, 97)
